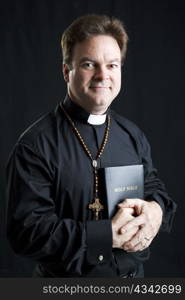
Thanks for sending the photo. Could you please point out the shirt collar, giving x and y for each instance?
(78, 113)
(96, 119)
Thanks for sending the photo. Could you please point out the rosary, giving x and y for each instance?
(96, 206)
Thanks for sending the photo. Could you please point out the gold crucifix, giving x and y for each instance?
(96, 207)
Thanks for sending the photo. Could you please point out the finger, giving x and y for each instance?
(138, 221)
(135, 203)
(130, 202)
(126, 210)
(138, 242)
(126, 237)
(122, 217)
(131, 249)
(138, 247)
(138, 238)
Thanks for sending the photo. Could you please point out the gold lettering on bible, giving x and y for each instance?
(96, 207)
(126, 188)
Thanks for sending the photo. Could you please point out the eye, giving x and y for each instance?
(114, 66)
(88, 65)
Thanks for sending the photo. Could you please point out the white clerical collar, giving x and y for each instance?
(96, 119)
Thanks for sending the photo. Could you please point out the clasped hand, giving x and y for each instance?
(135, 224)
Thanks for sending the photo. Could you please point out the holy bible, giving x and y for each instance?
(120, 183)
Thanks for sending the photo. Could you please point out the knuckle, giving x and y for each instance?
(129, 245)
(122, 210)
(143, 243)
(140, 235)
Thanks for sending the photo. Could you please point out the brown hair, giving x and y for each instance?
(89, 25)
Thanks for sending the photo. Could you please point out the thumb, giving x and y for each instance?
(135, 203)
(128, 202)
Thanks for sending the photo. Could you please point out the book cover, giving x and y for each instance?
(120, 183)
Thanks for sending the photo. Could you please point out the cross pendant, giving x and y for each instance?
(96, 207)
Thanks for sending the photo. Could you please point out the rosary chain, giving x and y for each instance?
(105, 139)
(97, 206)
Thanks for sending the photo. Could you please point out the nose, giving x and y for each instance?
(101, 73)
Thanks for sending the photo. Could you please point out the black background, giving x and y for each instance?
(153, 92)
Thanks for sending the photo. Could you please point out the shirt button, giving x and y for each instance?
(100, 257)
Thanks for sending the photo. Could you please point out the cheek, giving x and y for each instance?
(80, 80)
(75, 83)
(117, 80)
(119, 83)
(119, 77)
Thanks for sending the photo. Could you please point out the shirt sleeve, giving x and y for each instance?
(35, 230)
(155, 188)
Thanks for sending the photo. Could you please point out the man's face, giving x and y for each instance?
(94, 79)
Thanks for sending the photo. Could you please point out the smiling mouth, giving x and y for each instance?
(99, 87)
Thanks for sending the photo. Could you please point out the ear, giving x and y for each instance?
(66, 72)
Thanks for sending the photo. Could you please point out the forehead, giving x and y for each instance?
(97, 47)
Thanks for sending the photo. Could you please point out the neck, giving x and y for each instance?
(78, 112)
(92, 110)
(97, 111)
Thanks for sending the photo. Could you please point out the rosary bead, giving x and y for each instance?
(96, 206)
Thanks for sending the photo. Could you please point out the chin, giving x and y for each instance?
(100, 105)
(100, 101)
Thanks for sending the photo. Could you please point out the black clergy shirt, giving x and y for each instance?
(50, 185)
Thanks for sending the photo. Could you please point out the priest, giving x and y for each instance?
(56, 214)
